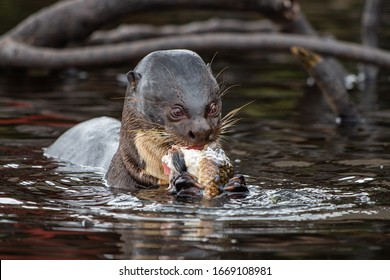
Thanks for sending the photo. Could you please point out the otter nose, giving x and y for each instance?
(200, 131)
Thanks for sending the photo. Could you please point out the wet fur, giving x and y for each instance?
(145, 137)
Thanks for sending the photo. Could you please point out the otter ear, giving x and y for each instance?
(133, 78)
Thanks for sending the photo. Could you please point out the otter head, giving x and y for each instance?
(176, 93)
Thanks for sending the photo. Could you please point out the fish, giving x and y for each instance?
(209, 167)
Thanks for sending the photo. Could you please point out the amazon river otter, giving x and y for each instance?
(172, 99)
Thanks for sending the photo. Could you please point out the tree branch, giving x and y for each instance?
(20, 55)
(330, 85)
(127, 33)
(369, 34)
(82, 17)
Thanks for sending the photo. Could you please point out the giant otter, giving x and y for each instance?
(172, 98)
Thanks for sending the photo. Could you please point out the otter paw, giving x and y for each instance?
(187, 187)
(235, 186)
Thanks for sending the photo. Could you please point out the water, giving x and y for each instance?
(316, 190)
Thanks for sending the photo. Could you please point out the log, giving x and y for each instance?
(20, 55)
(331, 87)
(35, 42)
(40, 40)
(127, 33)
(73, 21)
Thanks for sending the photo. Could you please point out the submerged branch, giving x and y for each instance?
(333, 90)
(369, 34)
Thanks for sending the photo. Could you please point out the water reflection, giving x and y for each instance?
(317, 190)
(69, 214)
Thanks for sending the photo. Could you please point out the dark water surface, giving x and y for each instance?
(317, 191)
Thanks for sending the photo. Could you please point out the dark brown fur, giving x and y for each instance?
(161, 81)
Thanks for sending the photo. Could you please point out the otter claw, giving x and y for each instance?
(235, 185)
(187, 186)
(185, 180)
(190, 193)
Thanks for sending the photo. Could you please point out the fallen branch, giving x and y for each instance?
(20, 55)
(73, 21)
(127, 33)
(331, 87)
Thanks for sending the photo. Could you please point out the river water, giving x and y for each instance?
(317, 190)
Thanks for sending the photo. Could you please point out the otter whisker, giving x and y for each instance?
(220, 86)
(220, 72)
(117, 98)
(212, 59)
(229, 119)
(233, 112)
(223, 138)
(225, 91)
(225, 128)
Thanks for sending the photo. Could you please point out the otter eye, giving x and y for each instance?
(213, 109)
(177, 113)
